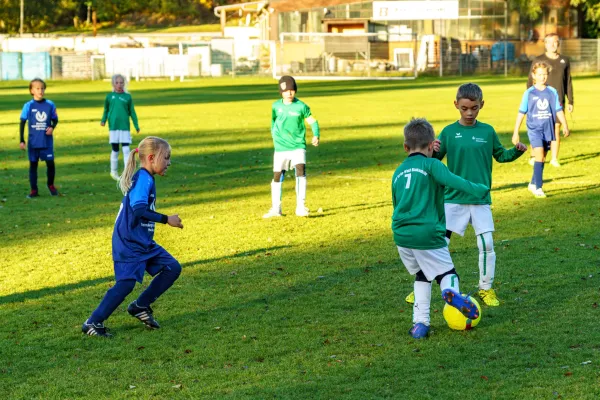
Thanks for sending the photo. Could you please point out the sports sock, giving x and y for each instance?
(126, 152)
(422, 302)
(450, 281)
(33, 166)
(161, 282)
(300, 191)
(50, 172)
(276, 195)
(114, 161)
(113, 297)
(538, 171)
(487, 260)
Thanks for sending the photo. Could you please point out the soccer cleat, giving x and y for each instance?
(461, 303)
(419, 331)
(32, 194)
(532, 161)
(272, 213)
(410, 299)
(114, 175)
(539, 193)
(554, 162)
(531, 187)
(93, 329)
(302, 212)
(53, 190)
(144, 314)
(489, 297)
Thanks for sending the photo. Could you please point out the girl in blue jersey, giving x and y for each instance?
(40, 116)
(133, 248)
(542, 106)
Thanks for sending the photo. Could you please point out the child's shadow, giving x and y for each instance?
(579, 157)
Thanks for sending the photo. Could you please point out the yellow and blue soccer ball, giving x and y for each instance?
(459, 322)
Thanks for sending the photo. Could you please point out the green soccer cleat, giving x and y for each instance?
(489, 297)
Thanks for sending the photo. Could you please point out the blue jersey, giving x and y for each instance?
(133, 237)
(38, 115)
(541, 107)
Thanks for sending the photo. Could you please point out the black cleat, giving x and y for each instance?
(92, 329)
(53, 190)
(144, 314)
(32, 194)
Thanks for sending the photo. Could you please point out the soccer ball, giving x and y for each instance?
(459, 322)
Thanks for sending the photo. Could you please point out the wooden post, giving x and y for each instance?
(94, 19)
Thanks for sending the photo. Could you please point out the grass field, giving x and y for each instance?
(292, 308)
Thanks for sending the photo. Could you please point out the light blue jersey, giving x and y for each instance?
(541, 107)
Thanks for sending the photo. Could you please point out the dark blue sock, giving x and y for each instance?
(51, 172)
(112, 299)
(538, 173)
(33, 166)
(161, 282)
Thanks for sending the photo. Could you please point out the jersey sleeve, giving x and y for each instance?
(556, 106)
(502, 154)
(25, 111)
(524, 106)
(54, 113)
(444, 177)
(273, 116)
(141, 191)
(133, 114)
(106, 108)
(443, 148)
(306, 111)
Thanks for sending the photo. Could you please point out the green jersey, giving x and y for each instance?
(419, 221)
(118, 107)
(287, 125)
(469, 151)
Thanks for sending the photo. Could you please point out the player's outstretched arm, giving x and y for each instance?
(444, 177)
(516, 138)
(175, 221)
(502, 154)
(314, 126)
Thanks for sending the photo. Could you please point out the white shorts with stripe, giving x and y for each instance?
(284, 160)
(432, 262)
(459, 216)
(119, 137)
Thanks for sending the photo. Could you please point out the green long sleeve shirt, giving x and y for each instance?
(419, 220)
(469, 151)
(287, 125)
(118, 107)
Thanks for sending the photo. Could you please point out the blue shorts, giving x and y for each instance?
(538, 141)
(153, 265)
(44, 154)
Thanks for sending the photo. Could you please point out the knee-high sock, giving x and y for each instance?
(126, 152)
(161, 282)
(276, 195)
(450, 281)
(300, 191)
(33, 166)
(112, 299)
(114, 161)
(487, 260)
(50, 172)
(422, 302)
(538, 174)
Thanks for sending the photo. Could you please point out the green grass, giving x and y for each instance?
(292, 308)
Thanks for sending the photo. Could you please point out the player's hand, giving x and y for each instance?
(566, 132)
(521, 147)
(137, 130)
(22, 145)
(315, 141)
(436, 145)
(102, 123)
(49, 131)
(515, 138)
(570, 108)
(175, 221)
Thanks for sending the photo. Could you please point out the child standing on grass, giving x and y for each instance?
(288, 115)
(419, 224)
(542, 106)
(470, 145)
(133, 248)
(41, 117)
(118, 108)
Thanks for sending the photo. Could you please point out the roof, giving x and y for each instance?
(293, 5)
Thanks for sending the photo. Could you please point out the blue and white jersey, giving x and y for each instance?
(38, 115)
(133, 237)
(541, 107)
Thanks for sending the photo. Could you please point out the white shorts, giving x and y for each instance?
(284, 160)
(458, 216)
(119, 137)
(433, 262)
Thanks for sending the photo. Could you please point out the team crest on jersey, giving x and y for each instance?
(458, 135)
(41, 116)
(542, 104)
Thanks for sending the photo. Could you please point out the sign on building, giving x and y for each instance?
(414, 10)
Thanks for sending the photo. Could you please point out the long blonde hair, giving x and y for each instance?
(149, 145)
(113, 80)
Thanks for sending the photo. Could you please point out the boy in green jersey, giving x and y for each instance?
(469, 146)
(288, 115)
(419, 224)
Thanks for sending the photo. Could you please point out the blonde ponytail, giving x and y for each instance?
(149, 145)
(125, 180)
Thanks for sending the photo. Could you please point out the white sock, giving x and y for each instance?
(450, 282)
(300, 192)
(487, 260)
(125, 154)
(447, 240)
(422, 302)
(276, 195)
(114, 161)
